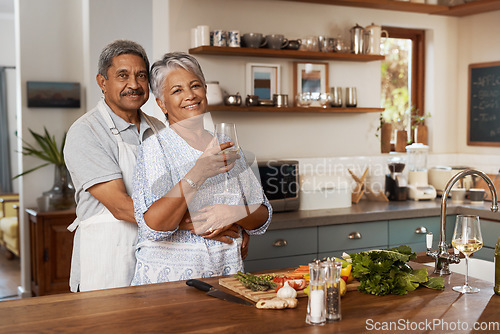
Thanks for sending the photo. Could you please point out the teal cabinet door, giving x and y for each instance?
(412, 232)
(281, 243)
(490, 230)
(345, 237)
(278, 263)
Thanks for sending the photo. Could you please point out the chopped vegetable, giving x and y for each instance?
(256, 283)
(297, 284)
(385, 271)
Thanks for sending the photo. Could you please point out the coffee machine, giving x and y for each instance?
(418, 183)
(395, 182)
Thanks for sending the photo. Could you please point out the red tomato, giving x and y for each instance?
(345, 278)
(300, 284)
(292, 284)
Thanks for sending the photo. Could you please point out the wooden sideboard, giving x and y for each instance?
(51, 247)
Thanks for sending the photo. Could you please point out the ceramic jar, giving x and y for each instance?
(214, 93)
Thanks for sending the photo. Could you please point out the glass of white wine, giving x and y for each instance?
(467, 239)
(226, 132)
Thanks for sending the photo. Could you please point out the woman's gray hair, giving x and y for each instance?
(169, 62)
(117, 48)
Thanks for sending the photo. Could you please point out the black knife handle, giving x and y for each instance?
(199, 285)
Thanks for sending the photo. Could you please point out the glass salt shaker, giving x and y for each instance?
(316, 310)
(332, 289)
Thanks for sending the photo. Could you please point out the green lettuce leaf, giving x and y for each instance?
(386, 271)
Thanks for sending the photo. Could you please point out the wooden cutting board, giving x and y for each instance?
(233, 284)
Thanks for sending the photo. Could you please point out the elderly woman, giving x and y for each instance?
(178, 175)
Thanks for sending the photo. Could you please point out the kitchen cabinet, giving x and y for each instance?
(282, 248)
(333, 240)
(490, 231)
(51, 248)
(412, 232)
(469, 8)
(292, 247)
(295, 246)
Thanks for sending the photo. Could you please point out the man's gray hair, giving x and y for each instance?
(117, 48)
(169, 62)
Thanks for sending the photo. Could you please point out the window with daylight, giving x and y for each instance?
(402, 78)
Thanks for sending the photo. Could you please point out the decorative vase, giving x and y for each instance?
(401, 140)
(385, 137)
(421, 134)
(62, 194)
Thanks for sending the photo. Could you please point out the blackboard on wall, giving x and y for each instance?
(483, 123)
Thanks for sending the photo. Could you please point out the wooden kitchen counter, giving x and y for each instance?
(177, 308)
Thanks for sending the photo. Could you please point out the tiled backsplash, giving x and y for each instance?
(377, 165)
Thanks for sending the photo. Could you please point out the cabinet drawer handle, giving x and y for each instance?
(280, 243)
(354, 235)
(421, 230)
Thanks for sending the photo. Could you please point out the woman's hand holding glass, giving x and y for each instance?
(212, 163)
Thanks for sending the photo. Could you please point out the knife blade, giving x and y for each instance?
(211, 291)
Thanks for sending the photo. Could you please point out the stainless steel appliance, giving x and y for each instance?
(280, 181)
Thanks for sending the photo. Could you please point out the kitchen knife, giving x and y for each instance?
(211, 291)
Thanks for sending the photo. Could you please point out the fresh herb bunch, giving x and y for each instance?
(383, 272)
(256, 283)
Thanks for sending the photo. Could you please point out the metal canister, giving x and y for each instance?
(357, 33)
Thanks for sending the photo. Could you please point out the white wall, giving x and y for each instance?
(107, 20)
(8, 58)
(479, 43)
(48, 48)
(281, 135)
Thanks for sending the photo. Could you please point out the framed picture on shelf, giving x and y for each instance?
(310, 77)
(263, 80)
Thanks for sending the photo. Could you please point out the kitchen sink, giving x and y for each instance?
(478, 268)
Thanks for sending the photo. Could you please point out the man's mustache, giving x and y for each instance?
(133, 92)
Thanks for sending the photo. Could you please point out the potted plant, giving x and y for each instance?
(401, 124)
(385, 129)
(61, 196)
(419, 127)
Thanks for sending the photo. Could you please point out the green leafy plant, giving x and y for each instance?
(386, 271)
(47, 150)
(418, 119)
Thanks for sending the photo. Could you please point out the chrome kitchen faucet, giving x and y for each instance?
(442, 256)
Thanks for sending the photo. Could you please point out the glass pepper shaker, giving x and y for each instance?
(332, 289)
(316, 310)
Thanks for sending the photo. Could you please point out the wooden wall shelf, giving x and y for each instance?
(293, 109)
(271, 53)
(470, 8)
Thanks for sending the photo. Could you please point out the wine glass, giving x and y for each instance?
(226, 132)
(467, 239)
